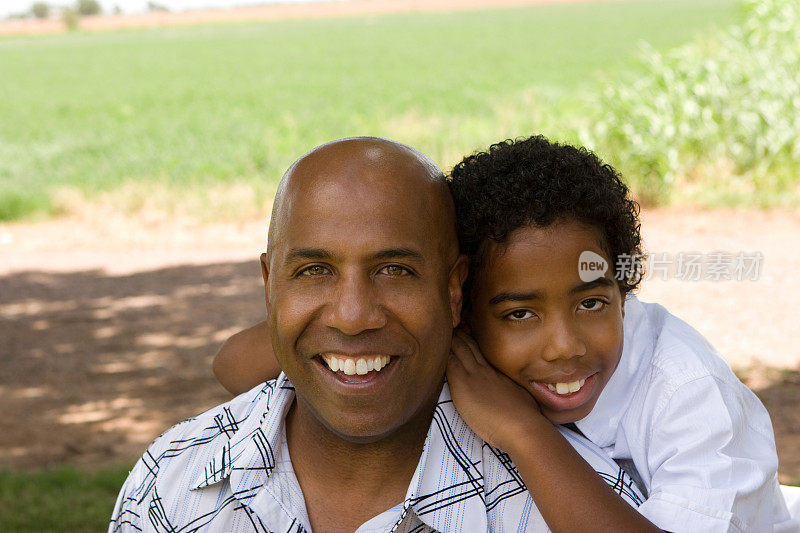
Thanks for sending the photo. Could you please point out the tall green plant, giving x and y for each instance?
(725, 111)
(40, 10)
(88, 7)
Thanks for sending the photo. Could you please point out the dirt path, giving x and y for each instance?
(107, 328)
(335, 8)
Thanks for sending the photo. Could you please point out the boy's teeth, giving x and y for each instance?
(360, 366)
(566, 388)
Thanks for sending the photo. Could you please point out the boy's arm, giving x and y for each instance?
(246, 359)
(568, 492)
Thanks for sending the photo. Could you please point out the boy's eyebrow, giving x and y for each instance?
(599, 282)
(508, 296)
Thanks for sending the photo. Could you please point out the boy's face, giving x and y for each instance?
(539, 323)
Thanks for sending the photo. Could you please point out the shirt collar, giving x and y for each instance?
(446, 490)
(250, 446)
(601, 424)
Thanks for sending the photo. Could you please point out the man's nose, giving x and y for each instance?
(563, 341)
(354, 307)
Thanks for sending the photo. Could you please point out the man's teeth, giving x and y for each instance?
(360, 365)
(566, 388)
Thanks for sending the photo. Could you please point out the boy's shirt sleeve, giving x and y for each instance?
(712, 461)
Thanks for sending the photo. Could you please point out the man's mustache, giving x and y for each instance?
(367, 343)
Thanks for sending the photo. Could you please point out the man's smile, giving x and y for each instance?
(351, 365)
(356, 373)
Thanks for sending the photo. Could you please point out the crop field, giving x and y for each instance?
(203, 119)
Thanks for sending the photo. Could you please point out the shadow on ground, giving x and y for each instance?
(779, 390)
(95, 366)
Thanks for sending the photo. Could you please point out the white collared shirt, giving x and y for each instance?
(228, 470)
(700, 440)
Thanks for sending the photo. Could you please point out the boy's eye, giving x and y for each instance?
(314, 270)
(592, 304)
(519, 314)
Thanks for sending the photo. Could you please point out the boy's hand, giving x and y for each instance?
(495, 407)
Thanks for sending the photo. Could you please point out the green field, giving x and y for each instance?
(204, 119)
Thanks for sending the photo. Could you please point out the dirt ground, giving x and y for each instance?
(108, 327)
(266, 12)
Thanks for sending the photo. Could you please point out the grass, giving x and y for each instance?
(179, 114)
(60, 499)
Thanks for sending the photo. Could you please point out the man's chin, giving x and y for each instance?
(367, 423)
(363, 428)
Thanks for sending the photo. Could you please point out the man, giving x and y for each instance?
(362, 274)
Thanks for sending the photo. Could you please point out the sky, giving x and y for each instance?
(132, 6)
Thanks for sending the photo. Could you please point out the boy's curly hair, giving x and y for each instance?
(533, 181)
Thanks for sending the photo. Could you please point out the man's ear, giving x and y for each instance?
(265, 275)
(458, 273)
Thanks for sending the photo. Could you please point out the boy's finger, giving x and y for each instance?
(454, 364)
(470, 343)
(456, 373)
(463, 352)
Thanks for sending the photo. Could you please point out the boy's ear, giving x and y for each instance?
(458, 273)
(624, 297)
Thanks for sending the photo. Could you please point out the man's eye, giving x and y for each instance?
(313, 270)
(519, 314)
(395, 270)
(592, 304)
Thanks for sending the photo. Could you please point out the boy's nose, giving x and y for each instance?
(563, 342)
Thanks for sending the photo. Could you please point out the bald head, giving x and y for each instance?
(368, 169)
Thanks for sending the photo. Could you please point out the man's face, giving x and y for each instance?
(360, 296)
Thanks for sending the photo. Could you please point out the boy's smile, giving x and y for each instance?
(538, 322)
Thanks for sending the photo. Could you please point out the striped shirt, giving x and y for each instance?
(228, 469)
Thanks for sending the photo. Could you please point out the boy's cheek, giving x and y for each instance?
(509, 358)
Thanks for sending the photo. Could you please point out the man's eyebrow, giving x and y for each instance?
(515, 297)
(319, 254)
(398, 253)
(599, 282)
(297, 254)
